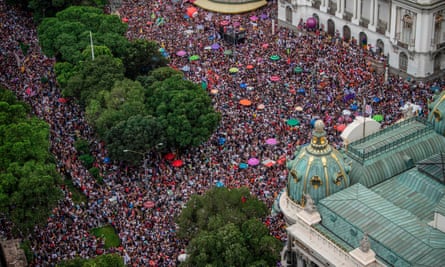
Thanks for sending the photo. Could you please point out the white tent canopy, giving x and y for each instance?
(359, 128)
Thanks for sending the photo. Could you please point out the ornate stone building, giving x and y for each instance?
(380, 202)
(411, 34)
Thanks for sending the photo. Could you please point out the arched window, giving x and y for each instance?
(289, 15)
(331, 27)
(380, 46)
(403, 62)
(437, 62)
(346, 33)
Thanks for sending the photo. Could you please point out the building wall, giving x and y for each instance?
(412, 34)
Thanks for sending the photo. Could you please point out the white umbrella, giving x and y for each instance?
(346, 112)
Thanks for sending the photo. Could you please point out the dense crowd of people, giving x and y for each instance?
(335, 75)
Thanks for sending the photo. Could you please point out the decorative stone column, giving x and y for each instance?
(340, 8)
(357, 12)
(324, 6)
(374, 15)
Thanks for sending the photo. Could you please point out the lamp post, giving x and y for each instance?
(143, 155)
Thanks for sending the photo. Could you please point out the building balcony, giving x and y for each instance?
(316, 4)
(382, 27)
(364, 22)
(332, 9)
(347, 16)
(402, 44)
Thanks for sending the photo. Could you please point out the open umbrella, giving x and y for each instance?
(62, 100)
(169, 156)
(215, 46)
(249, 67)
(243, 165)
(346, 112)
(106, 160)
(194, 57)
(293, 122)
(125, 20)
(340, 127)
(253, 18)
(219, 184)
(354, 107)
(149, 204)
(177, 163)
(301, 91)
(260, 106)
(378, 117)
(181, 53)
(265, 45)
(268, 162)
(233, 70)
(214, 91)
(275, 57)
(271, 141)
(245, 102)
(299, 108)
(298, 70)
(185, 68)
(376, 99)
(228, 52)
(253, 161)
(274, 78)
(243, 85)
(224, 23)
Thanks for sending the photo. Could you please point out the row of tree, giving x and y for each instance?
(132, 99)
(28, 177)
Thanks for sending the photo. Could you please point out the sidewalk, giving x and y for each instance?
(229, 8)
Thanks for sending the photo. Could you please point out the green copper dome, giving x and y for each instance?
(317, 169)
(437, 113)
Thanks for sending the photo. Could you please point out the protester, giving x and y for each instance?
(335, 76)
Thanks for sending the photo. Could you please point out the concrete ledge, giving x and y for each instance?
(229, 8)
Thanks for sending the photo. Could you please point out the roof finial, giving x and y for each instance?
(364, 243)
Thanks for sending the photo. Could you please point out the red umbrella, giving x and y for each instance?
(62, 100)
(341, 127)
(274, 78)
(169, 156)
(177, 163)
(224, 23)
(125, 20)
(149, 204)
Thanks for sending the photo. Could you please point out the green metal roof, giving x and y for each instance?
(397, 236)
(437, 113)
(392, 151)
(413, 191)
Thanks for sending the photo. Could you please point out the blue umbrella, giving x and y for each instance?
(376, 99)
(243, 165)
(313, 122)
(106, 160)
(186, 68)
(219, 184)
(301, 90)
(221, 141)
(243, 85)
(354, 107)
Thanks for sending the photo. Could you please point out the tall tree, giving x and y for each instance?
(28, 177)
(225, 229)
(184, 110)
(68, 34)
(141, 57)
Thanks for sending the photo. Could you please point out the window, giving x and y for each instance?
(403, 62)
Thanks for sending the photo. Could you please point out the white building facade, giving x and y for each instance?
(410, 33)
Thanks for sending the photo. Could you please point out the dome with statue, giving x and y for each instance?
(437, 113)
(317, 169)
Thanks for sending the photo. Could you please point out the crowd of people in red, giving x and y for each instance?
(334, 76)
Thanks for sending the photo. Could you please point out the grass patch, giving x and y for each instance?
(76, 194)
(107, 232)
(26, 246)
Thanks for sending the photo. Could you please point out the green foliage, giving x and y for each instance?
(82, 146)
(87, 160)
(95, 173)
(26, 246)
(76, 194)
(28, 178)
(108, 233)
(141, 57)
(94, 76)
(68, 34)
(184, 110)
(106, 260)
(225, 229)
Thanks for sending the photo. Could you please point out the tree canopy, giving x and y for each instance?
(28, 177)
(225, 228)
(67, 34)
(106, 260)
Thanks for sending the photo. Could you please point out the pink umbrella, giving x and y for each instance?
(274, 78)
(149, 204)
(253, 18)
(253, 161)
(181, 53)
(271, 141)
(236, 24)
